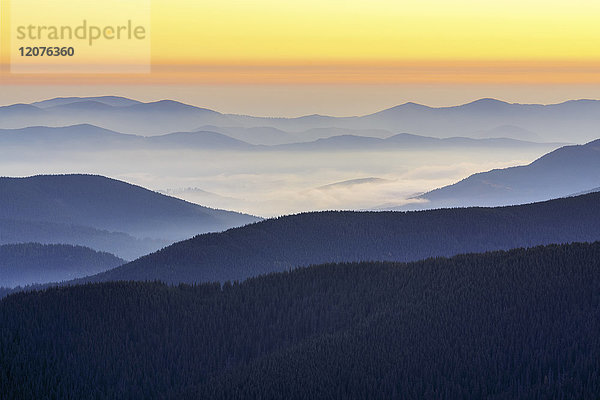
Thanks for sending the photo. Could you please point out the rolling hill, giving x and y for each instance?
(572, 121)
(315, 238)
(108, 205)
(33, 263)
(521, 324)
(124, 245)
(567, 170)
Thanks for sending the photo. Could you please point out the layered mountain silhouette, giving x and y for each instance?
(33, 263)
(406, 141)
(107, 205)
(313, 238)
(87, 137)
(563, 172)
(118, 114)
(473, 297)
(273, 136)
(571, 121)
(508, 131)
(115, 101)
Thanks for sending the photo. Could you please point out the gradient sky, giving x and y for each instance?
(376, 30)
(512, 47)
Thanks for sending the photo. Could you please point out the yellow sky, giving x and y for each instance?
(351, 41)
(240, 31)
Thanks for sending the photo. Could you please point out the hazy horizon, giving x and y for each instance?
(290, 101)
(270, 167)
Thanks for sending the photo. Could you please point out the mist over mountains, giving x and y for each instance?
(102, 213)
(257, 170)
(567, 170)
(173, 299)
(571, 121)
(258, 165)
(87, 137)
(33, 263)
(288, 242)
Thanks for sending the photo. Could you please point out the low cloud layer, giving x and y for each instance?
(275, 183)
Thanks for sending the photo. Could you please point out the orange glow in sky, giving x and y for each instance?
(506, 44)
(267, 41)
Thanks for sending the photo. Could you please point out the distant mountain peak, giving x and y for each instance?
(481, 103)
(403, 107)
(170, 106)
(486, 102)
(414, 105)
(314, 116)
(168, 102)
(113, 101)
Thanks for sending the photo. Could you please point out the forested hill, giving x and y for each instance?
(315, 238)
(118, 243)
(29, 263)
(518, 324)
(108, 204)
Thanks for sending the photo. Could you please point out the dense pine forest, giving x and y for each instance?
(27, 263)
(516, 324)
(317, 238)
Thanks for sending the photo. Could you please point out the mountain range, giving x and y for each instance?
(470, 296)
(86, 137)
(90, 137)
(571, 121)
(292, 241)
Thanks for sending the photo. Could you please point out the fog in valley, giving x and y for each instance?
(271, 183)
(276, 166)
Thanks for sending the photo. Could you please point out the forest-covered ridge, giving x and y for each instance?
(29, 263)
(516, 324)
(322, 237)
